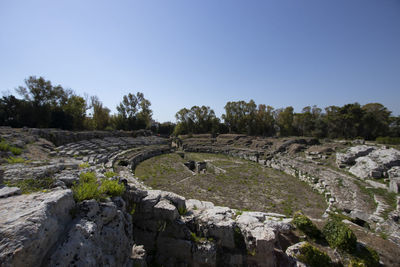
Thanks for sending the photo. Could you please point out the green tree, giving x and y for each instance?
(284, 120)
(134, 112)
(101, 115)
(240, 116)
(375, 121)
(196, 120)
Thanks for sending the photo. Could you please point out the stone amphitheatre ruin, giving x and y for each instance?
(146, 226)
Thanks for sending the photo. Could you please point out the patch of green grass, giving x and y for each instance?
(389, 197)
(313, 257)
(4, 146)
(32, 185)
(339, 235)
(110, 174)
(196, 238)
(15, 160)
(84, 165)
(238, 212)
(388, 140)
(182, 211)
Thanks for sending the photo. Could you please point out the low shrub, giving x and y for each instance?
(112, 188)
(86, 177)
(339, 235)
(89, 188)
(304, 224)
(86, 190)
(313, 257)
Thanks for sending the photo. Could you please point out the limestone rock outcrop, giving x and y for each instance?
(30, 225)
(349, 157)
(101, 235)
(376, 163)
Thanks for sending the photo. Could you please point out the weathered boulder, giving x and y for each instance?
(394, 185)
(349, 157)
(394, 172)
(376, 163)
(294, 252)
(165, 211)
(6, 191)
(30, 225)
(100, 236)
(366, 167)
(217, 222)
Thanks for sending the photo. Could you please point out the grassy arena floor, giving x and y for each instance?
(232, 182)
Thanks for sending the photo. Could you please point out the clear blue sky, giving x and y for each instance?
(207, 52)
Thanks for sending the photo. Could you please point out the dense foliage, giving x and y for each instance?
(313, 257)
(88, 187)
(339, 235)
(45, 105)
(304, 224)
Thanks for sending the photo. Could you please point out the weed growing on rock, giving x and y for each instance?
(339, 235)
(15, 160)
(32, 185)
(182, 210)
(313, 257)
(304, 224)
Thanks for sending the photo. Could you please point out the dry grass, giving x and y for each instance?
(245, 185)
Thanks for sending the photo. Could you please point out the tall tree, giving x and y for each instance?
(284, 120)
(134, 112)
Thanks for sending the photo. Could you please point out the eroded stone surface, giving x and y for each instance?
(30, 225)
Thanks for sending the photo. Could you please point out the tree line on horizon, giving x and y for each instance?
(43, 105)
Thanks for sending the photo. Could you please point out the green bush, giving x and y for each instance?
(89, 188)
(87, 177)
(86, 190)
(313, 257)
(304, 224)
(112, 188)
(110, 174)
(339, 235)
(388, 140)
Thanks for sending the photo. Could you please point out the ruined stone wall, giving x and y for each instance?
(61, 137)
